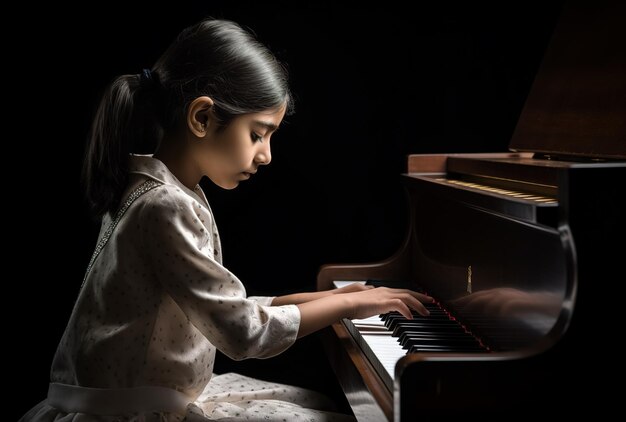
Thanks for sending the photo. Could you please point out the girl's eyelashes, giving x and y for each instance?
(256, 137)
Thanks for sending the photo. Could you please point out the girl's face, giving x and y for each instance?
(235, 153)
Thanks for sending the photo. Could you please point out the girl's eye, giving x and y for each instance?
(256, 137)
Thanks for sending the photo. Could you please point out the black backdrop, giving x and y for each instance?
(371, 84)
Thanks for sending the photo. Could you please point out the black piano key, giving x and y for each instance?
(420, 331)
(427, 333)
(408, 325)
(392, 324)
(458, 342)
(436, 320)
(393, 321)
(417, 349)
(460, 337)
(441, 326)
(407, 335)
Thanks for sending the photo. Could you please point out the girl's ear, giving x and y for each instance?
(199, 116)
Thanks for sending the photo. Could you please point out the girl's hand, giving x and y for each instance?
(373, 301)
(357, 301)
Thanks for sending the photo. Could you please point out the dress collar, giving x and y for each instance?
(154, 168)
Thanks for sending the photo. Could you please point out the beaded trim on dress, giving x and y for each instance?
(141, 189)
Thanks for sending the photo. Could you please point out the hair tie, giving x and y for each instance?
(145, 77)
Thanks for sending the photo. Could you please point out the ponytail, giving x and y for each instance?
(125, 122)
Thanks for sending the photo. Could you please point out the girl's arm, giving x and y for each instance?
(319, 313)
(298, 298)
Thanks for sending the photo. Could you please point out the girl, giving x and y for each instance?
(156, 301)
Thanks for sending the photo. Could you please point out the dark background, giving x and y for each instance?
(371, 85)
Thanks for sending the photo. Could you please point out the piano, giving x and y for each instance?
(521, 250)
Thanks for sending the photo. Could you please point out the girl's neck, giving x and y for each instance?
(178, 162)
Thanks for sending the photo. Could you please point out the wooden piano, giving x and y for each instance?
(520, 250)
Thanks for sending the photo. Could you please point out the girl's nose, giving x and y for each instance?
(264, 156)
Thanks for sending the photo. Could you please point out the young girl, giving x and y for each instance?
(156, 301)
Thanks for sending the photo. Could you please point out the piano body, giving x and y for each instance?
(520, 250)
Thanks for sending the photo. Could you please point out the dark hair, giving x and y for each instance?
(216, 58)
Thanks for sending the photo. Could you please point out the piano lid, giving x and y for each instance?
(577, 104)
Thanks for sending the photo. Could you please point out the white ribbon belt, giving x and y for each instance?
(116, 401)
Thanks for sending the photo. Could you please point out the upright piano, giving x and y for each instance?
(521, 250)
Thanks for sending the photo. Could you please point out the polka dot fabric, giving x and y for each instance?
(157, 304)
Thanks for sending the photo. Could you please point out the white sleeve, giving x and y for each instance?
(212, 297)
(262, 300)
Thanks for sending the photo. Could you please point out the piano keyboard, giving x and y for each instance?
(386, 338)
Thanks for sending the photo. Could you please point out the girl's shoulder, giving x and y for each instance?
(168, 212)
(170, 200)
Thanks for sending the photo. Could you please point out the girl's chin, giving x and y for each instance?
(228, 183)
(228, 186)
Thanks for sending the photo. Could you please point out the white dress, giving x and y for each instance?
(155, 305)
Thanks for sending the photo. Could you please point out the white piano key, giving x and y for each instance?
(371, 323)
(340, 283)
(386, 349)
